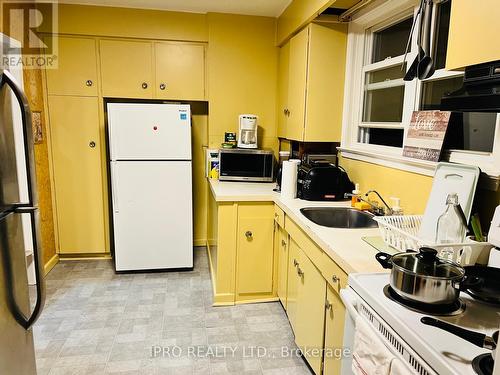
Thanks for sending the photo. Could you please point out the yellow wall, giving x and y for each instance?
(412, 188)
(242, 74)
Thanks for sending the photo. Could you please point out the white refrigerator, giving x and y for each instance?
(151, 185)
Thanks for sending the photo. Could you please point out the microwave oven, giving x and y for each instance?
(246, 165)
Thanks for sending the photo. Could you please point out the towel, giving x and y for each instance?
(370, 356)
(399, 368)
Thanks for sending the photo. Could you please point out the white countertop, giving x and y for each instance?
(345, 246)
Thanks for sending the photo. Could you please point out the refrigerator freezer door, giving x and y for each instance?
(139, 131)
(152, 214)
(17, 354)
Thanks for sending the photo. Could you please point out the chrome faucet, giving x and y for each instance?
(375, 208)
(389, 209)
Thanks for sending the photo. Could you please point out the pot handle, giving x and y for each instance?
(476, 338)
(384, 259)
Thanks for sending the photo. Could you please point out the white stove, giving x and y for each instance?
(440, 352)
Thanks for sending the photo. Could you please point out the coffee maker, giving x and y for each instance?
(247, 136)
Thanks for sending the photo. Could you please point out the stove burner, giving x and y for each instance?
(451, 309)
(483, 364)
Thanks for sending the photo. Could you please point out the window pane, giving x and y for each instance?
(433, 91)
(441, 42)
(384, 105)
(391, 41)
(383, 137)
(382, 75)
(472, 131)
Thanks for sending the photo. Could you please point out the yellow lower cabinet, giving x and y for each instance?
(255, 263)
(292, 282)
(334, 332)
(281, 247)
(310, 320)
(76, 155)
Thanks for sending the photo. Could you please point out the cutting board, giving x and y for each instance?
(448, 178)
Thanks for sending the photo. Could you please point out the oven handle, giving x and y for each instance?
(349, 299)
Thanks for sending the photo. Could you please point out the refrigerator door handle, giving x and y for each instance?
(114, 189)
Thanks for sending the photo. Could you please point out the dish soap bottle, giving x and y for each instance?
(355, 195)
(451, 225)
(396, 206)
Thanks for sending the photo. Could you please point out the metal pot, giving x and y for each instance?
(423, 277)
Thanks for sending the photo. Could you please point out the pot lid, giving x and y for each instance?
(427, 263)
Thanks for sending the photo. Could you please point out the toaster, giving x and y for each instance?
(319, 181)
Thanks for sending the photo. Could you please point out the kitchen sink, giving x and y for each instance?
(339, 217)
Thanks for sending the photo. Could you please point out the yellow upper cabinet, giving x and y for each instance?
(473, 33)
(316, 83)
(76, 73)
(127, 69)
(283, 68)
(180, 70)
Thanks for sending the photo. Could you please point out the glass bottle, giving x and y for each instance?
(451, 225)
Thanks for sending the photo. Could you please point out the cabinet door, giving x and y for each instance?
(255, 257)
(283, 77)
(76, 73)
(126, 69)
(76, 154)
(297, 85)
(310, 324)
(292, 282)
(325, 83)
(334, 332)
(282, 249)
(180, 71)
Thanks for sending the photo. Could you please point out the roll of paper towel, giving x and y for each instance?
(289, 178)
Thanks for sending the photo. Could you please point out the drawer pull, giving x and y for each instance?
(300, 272)
(144, 85)
(163, 86)
(283, 243)
(248, 234)
(89, 82)
(335, 278)
(295, 263)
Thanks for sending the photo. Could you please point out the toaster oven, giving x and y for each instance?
(246, 165)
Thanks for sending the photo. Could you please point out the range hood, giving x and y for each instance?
(480, 91)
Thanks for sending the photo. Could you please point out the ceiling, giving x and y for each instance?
(272, 8)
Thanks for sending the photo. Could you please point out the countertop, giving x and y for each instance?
(345, 246)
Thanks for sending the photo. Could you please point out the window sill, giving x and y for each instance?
(426, 168)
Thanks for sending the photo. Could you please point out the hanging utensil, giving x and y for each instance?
(476, 338)
(412, 70)
(426, 65)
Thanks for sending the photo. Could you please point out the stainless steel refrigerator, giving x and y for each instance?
(18, 203)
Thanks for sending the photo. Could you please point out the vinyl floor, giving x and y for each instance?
(98, 322)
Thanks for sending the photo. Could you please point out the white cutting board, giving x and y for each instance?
(448, 178)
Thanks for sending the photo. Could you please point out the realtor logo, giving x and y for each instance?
(27, 23)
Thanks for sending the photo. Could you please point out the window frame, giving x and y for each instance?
(359, 45)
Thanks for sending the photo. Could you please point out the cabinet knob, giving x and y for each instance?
(300, 272)
(335, 278)
(144, 85)
(283, 243)
(91, 144)
(328, 305)
(163, 86)
(89, 82)
(248, 234)
(295, 263)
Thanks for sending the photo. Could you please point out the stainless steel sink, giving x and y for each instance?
(339, 217)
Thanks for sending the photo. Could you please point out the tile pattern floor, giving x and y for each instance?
(99, 322)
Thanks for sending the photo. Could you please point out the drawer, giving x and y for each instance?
(313, 252)
(279, 216)
(333, 274)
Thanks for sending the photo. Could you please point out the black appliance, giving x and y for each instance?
(480, 91)
(320, 181)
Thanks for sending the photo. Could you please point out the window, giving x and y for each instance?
(379, 103)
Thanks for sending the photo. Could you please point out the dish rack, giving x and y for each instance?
(401, 232)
